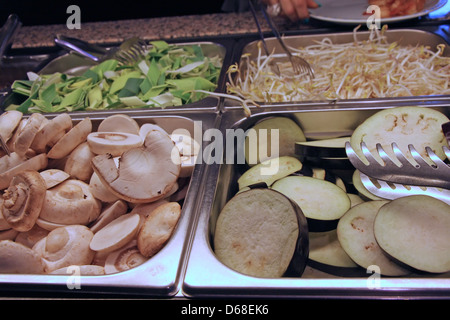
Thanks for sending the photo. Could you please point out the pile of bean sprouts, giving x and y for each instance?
(372, 68)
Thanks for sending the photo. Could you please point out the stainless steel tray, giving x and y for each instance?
(160, 276)
(206, 276)
(72, 63)
(402, 36)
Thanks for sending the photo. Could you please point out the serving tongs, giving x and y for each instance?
(390, 177)
(299, 65)
(129, 52)
(8, 32)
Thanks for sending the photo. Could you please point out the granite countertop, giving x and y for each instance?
(165, 28)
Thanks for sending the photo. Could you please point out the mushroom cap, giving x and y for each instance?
(158, 228)
(23, 200)
(9, 120)
(71, 139)
(110, 213)
(78, 163)
(65, 246)
(113, 143)
(119, 123)
(144, 174)
(100, 190)
(116, 234)
(51, 131)
(30, 237)
(35, 163)
(70, 202)
(27, 133)
(125, 258)
(17, 258)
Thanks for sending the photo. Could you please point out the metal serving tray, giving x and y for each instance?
(160, 276)
(402, 36)
(206, 276)
(75, 64)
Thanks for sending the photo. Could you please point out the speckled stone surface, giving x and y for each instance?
(209, 25)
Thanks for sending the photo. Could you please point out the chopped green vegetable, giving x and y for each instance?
(169, 75)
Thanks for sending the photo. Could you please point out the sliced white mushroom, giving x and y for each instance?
(31, 237)
(158, 228)
(12, 141)
(27, 133)
(49, 226)
(9, 120)
(116, 234)
(70, 202)
(110, 213)
(51, 132)
(4, 225)
(8, 162)
(9, 234)
(144, 174)
(189, 150)
(65, 246)
(78, 163)
(147, 127)
(17, 258)
(125, 258)
(100, 190)
(35, 163)
(145, 209)
(23, 200)
(53, 177)
(113, 143)
(71, 139)
(119, 123)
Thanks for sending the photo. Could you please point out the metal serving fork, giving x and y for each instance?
(129, 52)
(299, 65)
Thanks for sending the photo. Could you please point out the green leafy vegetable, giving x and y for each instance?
(169, 75)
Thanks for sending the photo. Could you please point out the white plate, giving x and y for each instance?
(354, 11)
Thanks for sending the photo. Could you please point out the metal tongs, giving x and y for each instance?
(299, 65)
(397, 176)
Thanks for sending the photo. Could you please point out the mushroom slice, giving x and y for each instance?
(145, 209)
(119, 123)
(53, 177)
(31, 237)
(125, 258)
(100, 191)
(49, 226)
(113, 143)
(35, 163)
(65, 246)
(78, 163)
(51, 132)
(147, 127)
(70, 202)
(189, 150)
(23, 200)
(17, 258)
(158, 228)
(144, 174)
(110, 213)
(116, 234)
(71, 139)
(9, 120)
(27, 133)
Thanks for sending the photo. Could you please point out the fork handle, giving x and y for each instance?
(275, 30)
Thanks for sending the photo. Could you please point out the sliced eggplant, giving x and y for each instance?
(355, 232)
(419, 126)
(269, 171)
(326, 148)
(326, 254)
(262, 233)
(362, 191)
(322, 202)
(259, 138)
(416, 231)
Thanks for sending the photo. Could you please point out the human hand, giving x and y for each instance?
(294, 9)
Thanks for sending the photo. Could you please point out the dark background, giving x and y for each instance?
(54, 12)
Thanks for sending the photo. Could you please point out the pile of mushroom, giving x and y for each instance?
(105, 200)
